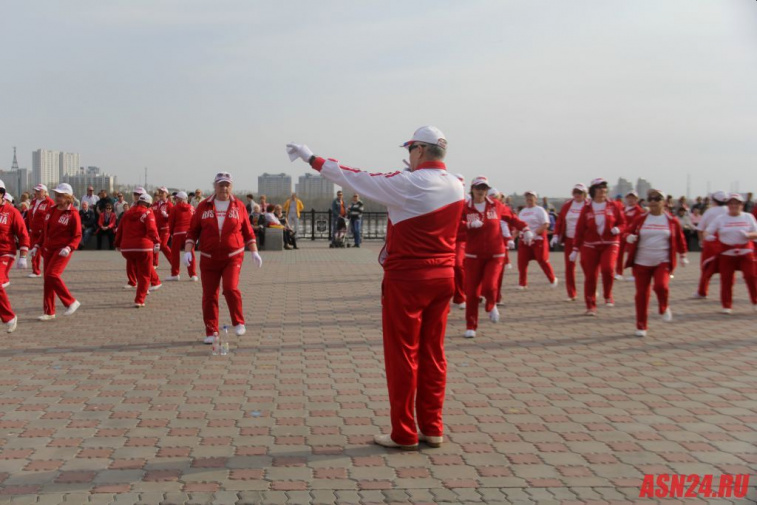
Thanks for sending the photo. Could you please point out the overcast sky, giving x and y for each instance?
(535, 94)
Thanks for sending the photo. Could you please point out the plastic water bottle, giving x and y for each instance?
(225, 341)
(216, 350)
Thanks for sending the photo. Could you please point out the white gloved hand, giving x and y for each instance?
(632, 238)
(555, 241)
(65, 252)
(22, 263)
(684, 260)
(476, 224)
(511, 245)
(573, 256)
(186, 259)
(528, 237)
(299, 151)
(156, 248)
(257, 259)
(165, 214)
(33, 251)
(615, 230)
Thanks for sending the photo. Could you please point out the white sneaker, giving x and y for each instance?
(591, 313)
(494, 315)
(609, 303)
(72, 308)
(208, 340)
(460, 306)
(155, 288)
(727, 311)
(431, 441)
(11, 325)
(641, 333)
(697, 296)
(386, 441)
(618, 277)
(509, 266)
(194, 278)
(139, 305)
(667, 316)
(34, 276)
(6, 284)
(172, 278)
(46, 317)
(240, 330)
(470, 333)
(571, 299)
(631, 278)
(129, 286)
(554, 283)
(522, 288)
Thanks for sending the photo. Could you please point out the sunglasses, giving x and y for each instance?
(223, 174)
(412, 146)
(655, 198)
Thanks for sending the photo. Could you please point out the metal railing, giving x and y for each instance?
(318, 225)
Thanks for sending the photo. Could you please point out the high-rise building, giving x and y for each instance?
(624, 186)
(274, 185)
(98, 181)
(313, 186)
(642, 187)
(46, 167)
(69, 164)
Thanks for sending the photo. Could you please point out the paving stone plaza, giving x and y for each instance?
(123, 405)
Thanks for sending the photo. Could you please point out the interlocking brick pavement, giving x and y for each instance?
(120, 405)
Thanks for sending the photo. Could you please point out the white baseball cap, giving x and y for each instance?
(40, 187)
(478, 181)
(223, 177)
(633, 193)
(163, 189)
(145, 197)
(493, 192)
(64, 189)
(8, 197)
(580, 187)
(532, 193)
(139, 190)
(720, 196)
(597, 182)
(2, 185)
(428, 135)
(735, 196)
(182, 195)
(658, 191)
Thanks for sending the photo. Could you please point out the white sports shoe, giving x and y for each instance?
(460, 306)
(129, 286)
(172, 278)
(727, 311)
(155, 288)
(470, 333)
(697, 296)
(609, 303)
(591, 313)
(573, 299)
(386, 441)
(522, 288)
(46, 317)
(34, 276)
(6, 284)
(72, 308)
(554, 283)
(618, 277)
(11, 325)
(208, 339)
(139, 305)
(494, 315)
(194, 278)
(509, 266)
(641, 333)
(667, 316)
(631, 278)
(240, 330)
(431, 441)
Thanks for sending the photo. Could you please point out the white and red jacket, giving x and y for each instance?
(180, 218)
(62, 229)
(587, 233)
(423, 208)
(162, 210)
(12, 228)
(486, 241)
(561, 226)
(137, 231)
(229, 241)
(677, 239)
(35, 217)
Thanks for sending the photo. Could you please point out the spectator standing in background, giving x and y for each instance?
(250, 203)
(88, 223)
(698, 205)
(196, 198)
(103, 201)
(90, 198)
(292, 209)
(118, 206)
(338, 210)
(356, 218)
(748, 203)
(689, 231)
(263, 204)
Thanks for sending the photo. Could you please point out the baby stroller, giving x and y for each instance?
(340, 232)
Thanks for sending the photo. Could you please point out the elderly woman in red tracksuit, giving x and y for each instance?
(537, 220)
(485, 250)
(178, 225)
(162, 210)
(12, 235)
(137, 239)
(598, 232)
(631, 211)
(734, 234)
(60, 236)
(222, 226)
(35, 221)
(655, 240)
(565, 233)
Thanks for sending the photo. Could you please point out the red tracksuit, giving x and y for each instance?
(136, 237)
(162, 211)
(424, 208)
(459, 296)
(561, 230)
(485, 254)
(538, 250)
(178, 224)
(221, 253)
(709, 263)
(62, 229)
(644, 274)
(735, 253)
(630, 215)
(35, 220)
(12, 229)
(598, 252)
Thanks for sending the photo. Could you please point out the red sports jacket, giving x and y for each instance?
(677, 240)
(586, 228)
(12, 228)
(111, 223)
(486, 241)
(161, 219)
(137, 230)
(231, 240)
(62, 229)
(35, 220)
(180, 218)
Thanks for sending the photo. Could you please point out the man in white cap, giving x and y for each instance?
(631, 211)
(708, 260)
(424, 207)
(162, 209)
(35, 220)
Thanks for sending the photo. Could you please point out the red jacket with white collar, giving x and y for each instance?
(179, 219)
(632, 213)
(677, 239)
(561, 226)
(62, 229)
(12, 227)
(231, 240)
(486, 241)
(137, 230)
(162, 210)
(35, 218)
(586, 228)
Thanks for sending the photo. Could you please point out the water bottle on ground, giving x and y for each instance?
(216, 349)
(225, 341)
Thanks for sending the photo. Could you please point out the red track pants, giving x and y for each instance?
(570, 269)
(6, 263)
(164, 236)
(6, 312)
(37, 258)
(481, 279)
(643, 276)
(709, 266)
(55, 264)
(538, 251)
(140, 264)
(619, 261)
(176, 253)
(131, 272)
(593, 260)
(502, 273)
(728, 266)
(414, 316)
(459, 296)
(211, 273)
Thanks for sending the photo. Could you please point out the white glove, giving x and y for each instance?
(156, 248)
(65, 252)
(615, 230)
(528, 237)
(299, 151)
(476, 224)
(710, 238)
(165, 214)
(573, 256)
(257, 259)
(684, 260)
(555, 240)
(632, 238)
(511, 245)
(22, 263)
(33, 251)
(186, 259)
